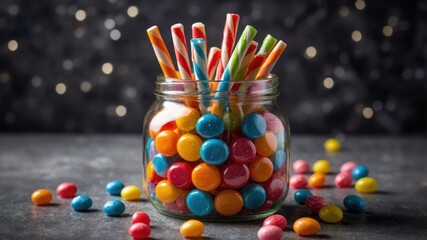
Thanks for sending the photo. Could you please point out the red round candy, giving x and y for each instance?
(298, 182)
(274, 188)
(140, 217)
(139, 230)
(347, 167)
(242, 150)
(343, 180)
(301, 166)
(315, 203)
(66, 190)
(179, 174)
(276, 220)
(235, 175)
(270, 233)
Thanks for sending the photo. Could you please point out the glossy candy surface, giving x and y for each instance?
(253, 126)
(166, 192)
(140, 217)
(114, 208)
(266, 145)
(179, 174)
(131, 193)
(354, 203)
(114, 187)
(301, 166)
(359, 172)
(274, 188)
(81, 203)
(188, 145)
(228, 202)
(41, 197)
(343, 180)
(214, 151)
(274, 124)
(242, 150)
(301, 196)
(160, 165)
(278, 159)
(210, 126)
(315, 203)
(331, 214)
(306, 226)
(317, 180)
(192, 229)
(269, 232)
(261, 169)
(166, 142)
(200, 203)
(276, 220)
(322, 166)
(332, 145)
(348, 167)
(187, 119)
(206, 177)
(298, 181)
(66, 190)
(139, 230)
(235, 175)
(366, 185)
(254, 196)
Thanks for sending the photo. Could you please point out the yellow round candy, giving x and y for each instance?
(188, 146)
(188, 118)
(41, 197)
(321, 166)
(130, 193)
(332, 145)
(266, 145)
(228, 202)
(192, 229)
(366, 185)
(331, 214)
(166, 192)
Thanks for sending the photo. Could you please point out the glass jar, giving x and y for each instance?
(216, 156)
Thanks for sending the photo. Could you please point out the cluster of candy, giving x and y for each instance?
(201, 163)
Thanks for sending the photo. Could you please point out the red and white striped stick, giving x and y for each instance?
(199, 31)
(214, 57)
(181, 52)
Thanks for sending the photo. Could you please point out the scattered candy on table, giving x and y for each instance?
(354, 203)
(331, 214)
(332, 145)
(306, 226)
(141, 217)
(114, 208)
(139, 230)
(192, 229)
(130, 193)
(301, 196)
(276, 220)
(41, 197)
(114, 187)
(66, 190)
(317, 180)
(81, 203)
(301, 166)
(298, 182)
(366, 185)
(315, 203)
(348, 167)
(359, 172)
(322, 166)
(270, 232)
(343, 180)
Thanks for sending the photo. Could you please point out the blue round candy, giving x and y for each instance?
(359, 172)
(214, 151)
(199, 202)
(161, 165)
(354, 203)
(253, 196)
(210, 126)
(278, 159)
(301, 195)
(81, 203)
(114, 208)
(253, 126)
(150, 148)
(114, 187)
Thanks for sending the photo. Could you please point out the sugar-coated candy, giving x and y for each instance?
(228, 202)
(278, 159)
(242, 150)
(343, 180)
(179, 174)
(270, 232)
(276, 220)
(114, 208)
(366, 185)
(210, 126)
(321, 166)
(354, 203)
(301, 196)
(187, 119)
(315, 203)
(140, 217)
(114, 187)
(274, 188)
(231, 121)
(188, 145)
(166, 192)
(192, 229)
(331, 214)
(298, 181)
(206, 177)
(166, 142)
(254, 196)
(332, 145)
(261, 169)
(359, 172)
(306, 226)
(235, 175)
(274, 124)
(131, 193)
(253, 126)
(200, 203)
(139, 230)
(66, 190)
(266, 145)
(214, 151)
(317, 180)
(81, 203)
(301, 166)
(348, 167)
(41, 197)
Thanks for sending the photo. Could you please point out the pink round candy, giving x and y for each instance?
(298, 181)
(270, 232)
(235, 175)
(301, 166)
(273, 122)
(347, 167)
(315, 203)
(181, 202)
(242, 150)
(273, 188)
(179, 174)
(276, 220)
(343, 180)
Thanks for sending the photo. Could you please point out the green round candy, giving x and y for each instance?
(231, 121)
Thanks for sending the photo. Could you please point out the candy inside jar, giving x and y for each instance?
(227, 165)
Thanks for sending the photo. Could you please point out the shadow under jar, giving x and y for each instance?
(216, 155)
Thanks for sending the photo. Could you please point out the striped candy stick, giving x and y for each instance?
(199, 31)
(241, 73)
(200, 70)
(213, 59)
(256, 63)
(161, 52)
(181, 53)
(271, 60)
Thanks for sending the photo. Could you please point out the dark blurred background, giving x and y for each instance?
(87, 66)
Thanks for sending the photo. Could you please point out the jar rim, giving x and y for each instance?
(162, 79)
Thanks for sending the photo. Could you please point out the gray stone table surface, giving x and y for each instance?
(29, 162)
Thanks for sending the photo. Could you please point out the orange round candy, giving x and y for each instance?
(266, 145)
(317, 180)
(166, 192)
(41, 197)
(163, 120)
(306, 226)
(188, 147)
(166, 143)
(187, 119)
(206, 177)
(228, 202)
(261, 169)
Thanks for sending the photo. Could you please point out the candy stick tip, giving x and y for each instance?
(153, 28)
(177, 25)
